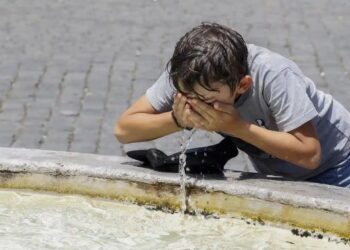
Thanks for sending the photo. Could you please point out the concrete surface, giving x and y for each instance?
(70, 68)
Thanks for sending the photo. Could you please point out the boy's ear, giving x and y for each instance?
(244, 84)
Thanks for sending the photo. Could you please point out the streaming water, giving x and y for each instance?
(51, 221)
(186, 138)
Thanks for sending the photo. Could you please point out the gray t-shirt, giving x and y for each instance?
(281, 98)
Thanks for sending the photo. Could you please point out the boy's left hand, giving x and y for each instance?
(219, 117)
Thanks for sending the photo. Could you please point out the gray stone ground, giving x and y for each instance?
(68, 69)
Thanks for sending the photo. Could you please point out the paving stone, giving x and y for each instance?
(68, 68)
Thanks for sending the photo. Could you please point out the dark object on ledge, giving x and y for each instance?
(204, 160)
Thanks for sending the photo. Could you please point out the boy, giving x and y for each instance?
(216, 82)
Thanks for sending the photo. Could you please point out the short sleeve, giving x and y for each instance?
(160, 94)
(286, 95)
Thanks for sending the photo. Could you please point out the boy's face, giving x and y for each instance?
(222, 93)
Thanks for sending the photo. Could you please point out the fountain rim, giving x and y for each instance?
(27, 168)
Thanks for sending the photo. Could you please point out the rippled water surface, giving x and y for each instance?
(48, 221)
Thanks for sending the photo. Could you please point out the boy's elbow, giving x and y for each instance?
(313, 163)
(120, 134)
(314, 158)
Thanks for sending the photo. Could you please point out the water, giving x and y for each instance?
(184, 144)
(51, 221)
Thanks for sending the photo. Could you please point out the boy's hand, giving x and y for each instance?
(179, 107)
(219, 117)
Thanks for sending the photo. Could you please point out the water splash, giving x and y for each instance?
(184, 144)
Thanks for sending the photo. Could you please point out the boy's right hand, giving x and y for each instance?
(179, 107)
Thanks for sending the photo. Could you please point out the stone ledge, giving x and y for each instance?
(302, 204)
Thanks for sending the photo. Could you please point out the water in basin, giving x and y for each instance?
(31, 220)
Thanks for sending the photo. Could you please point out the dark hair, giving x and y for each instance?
(208, 53)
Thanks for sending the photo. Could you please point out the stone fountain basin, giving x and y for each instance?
(267, 199)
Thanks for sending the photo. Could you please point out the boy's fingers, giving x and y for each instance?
(223, 107)
(203, 108)
(175, 99)
(196, 119)
(179, 102)
(183, 101)
(175, 103)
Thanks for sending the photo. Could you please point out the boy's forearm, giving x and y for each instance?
(282, 145)
(144, 127)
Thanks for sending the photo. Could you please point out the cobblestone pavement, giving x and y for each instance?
(68, 69)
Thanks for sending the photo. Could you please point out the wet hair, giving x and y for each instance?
(208, 53)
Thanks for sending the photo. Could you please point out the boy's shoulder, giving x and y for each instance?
(266, 64)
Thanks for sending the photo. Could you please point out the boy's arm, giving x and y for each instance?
(142, 123)
(299, 146)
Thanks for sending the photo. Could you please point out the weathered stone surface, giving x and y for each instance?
(307, 205)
